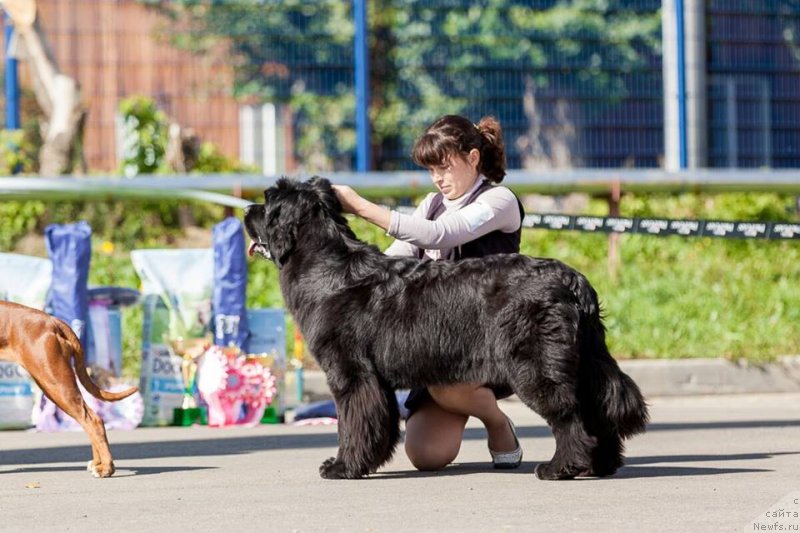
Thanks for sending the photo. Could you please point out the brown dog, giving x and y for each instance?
(44, 346)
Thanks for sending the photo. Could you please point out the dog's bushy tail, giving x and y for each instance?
(613, 398)
(73, 342)
(621, 407)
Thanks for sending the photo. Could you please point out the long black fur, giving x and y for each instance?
(376, 323)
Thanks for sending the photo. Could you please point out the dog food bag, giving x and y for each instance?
(183, 280)
(24, 280)
(161, 381)
(16, 397)
(176, 296)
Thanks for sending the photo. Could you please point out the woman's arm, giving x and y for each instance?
(353, 203)
(496, 209)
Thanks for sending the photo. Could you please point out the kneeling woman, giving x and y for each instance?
(470, 216)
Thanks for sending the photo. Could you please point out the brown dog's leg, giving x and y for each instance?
(68, 398)
(57, 381)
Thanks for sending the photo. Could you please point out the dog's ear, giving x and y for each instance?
(324, 191)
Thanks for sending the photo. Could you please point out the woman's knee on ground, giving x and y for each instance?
(433, 437)
(430, 453)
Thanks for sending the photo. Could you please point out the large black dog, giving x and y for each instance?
(376, 323)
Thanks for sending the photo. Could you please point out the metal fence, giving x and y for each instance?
(754, 83)
(576, 84)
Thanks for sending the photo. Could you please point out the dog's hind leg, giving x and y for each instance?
(58, 382)
(607, 456)
(574, 446)
(545, 379)
(369, 427)
(68, 398)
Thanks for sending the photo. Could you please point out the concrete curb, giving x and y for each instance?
(672, 377)
(669, 377)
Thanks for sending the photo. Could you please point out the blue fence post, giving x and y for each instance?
(12, 86)
(681, 37)
(362, 86)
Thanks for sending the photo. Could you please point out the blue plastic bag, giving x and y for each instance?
(70, 249)
(230, 284)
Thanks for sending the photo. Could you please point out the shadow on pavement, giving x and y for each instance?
(626, 472)
(728, 424)
(636, 472)
(120, 473)
(544, 431)
(241, 445)
(455, 469)
(178, 448)
(705, 458)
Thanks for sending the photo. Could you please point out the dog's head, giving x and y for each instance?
(289, 206)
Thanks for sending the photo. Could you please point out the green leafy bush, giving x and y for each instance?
(144, 136)
(18, 219)
(211, 161)
(145, 141)
(19, 150)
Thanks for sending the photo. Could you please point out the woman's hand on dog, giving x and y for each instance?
(355, 204)
(348, 198)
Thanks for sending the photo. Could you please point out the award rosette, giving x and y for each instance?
(237, 389)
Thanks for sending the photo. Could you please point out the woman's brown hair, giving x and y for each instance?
(455, 135)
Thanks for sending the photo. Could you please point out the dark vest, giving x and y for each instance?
(496, 242)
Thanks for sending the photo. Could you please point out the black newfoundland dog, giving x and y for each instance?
(376, 323)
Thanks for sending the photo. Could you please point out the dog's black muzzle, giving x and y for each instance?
(253, 214)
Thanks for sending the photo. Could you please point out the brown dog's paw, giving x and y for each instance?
(100, 470)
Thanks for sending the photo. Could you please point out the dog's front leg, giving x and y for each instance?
(368, 428)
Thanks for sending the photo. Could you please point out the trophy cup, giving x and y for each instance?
(190, 350)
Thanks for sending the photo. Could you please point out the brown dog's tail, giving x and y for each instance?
(80, 368)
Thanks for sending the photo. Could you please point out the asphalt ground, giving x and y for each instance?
(707, 463)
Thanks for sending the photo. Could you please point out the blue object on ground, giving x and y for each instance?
(327, 408)
(70, 248)
(230, 284)
(115, 296)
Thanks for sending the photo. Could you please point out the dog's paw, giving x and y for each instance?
(326, 464)
(549, 472)
(333, 469)
(100, 470)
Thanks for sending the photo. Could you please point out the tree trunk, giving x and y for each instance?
(58, 95)
(530, 144)
(559, 136)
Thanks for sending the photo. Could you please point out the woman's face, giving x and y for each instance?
(457, 175)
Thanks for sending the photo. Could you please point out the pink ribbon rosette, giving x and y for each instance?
(257, 390)
(212, 379)
(236, 390)
(231, 396)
